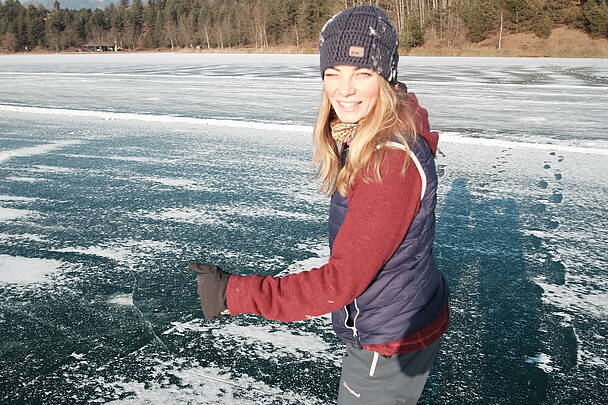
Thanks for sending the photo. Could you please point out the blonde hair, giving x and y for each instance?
(389, 121)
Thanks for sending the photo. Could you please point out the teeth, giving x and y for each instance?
(348, 105)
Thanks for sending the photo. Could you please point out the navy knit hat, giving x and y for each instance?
(361, 36)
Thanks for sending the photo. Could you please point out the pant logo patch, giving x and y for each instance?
(350, 389)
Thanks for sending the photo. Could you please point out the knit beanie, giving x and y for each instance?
(360, 36)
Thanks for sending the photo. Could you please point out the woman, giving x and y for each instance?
(387, 298)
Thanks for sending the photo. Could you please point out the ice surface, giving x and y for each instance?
(180, 158)
(25, 270)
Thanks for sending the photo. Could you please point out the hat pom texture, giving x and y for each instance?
(361, 36)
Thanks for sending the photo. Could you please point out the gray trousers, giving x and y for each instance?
(372, 379)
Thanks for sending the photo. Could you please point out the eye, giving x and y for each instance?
(364, 73)
(331, 73)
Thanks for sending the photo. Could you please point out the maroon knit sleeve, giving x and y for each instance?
(377, 220)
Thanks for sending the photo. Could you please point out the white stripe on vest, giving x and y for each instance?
(414, 159)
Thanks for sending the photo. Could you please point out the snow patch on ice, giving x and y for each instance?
(25, 179)
(9, 214)
(123, 251)
(321, 252)
(34, 150)
(542, 361)
(220, 215)
(122, 299)
(188, 215)
(283, 340)
(457, 138)
(114, 253)
(77, 356)
(50, 169)
(23, 236)
(204, 385)
(177, 182)
(122, 158)
(533, 119)
(289, 343)
(25, 270)
(574, 297)
(593, 359)
(246, 210)
(105, 115)
(16, 198)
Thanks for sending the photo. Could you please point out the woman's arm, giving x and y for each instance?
(378, 218)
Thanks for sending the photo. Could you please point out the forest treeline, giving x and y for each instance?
(260, 24)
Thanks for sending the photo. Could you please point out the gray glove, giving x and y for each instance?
(211, 288)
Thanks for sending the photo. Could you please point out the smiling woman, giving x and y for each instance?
(387, 298)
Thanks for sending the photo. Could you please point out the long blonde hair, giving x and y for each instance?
(389, 120)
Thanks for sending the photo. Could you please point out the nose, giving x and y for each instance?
(346, 87)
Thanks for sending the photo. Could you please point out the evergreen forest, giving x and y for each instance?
(260, 24)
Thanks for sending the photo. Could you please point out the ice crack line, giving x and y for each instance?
(166, 348)
(143, 318)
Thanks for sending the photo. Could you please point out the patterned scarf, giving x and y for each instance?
(342, 131)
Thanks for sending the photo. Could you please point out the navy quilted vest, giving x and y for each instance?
(409, 292)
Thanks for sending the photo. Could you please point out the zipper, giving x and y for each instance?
(354, 327)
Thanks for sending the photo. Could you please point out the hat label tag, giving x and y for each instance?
(356, 51)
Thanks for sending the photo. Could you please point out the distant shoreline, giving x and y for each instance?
(419, 52)
(563, 43)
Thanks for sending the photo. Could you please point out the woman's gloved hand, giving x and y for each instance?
(211, 288)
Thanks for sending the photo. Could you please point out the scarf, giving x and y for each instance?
(342, 131)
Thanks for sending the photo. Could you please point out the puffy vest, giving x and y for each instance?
(409, 291)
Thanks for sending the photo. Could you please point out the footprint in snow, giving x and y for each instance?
(557, 197)
(440, 170)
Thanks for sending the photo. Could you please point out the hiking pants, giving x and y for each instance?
(372, 379)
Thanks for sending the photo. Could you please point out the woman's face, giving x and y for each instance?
(353, 91)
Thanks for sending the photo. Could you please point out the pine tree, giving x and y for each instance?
(80, 24)
(595, 13)
(55, 27)
(35, 25)
(542, 24)
(480, 17)
(98, 26)
(136, 19)
(412, 34)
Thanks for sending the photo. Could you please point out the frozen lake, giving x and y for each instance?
(118, 170)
